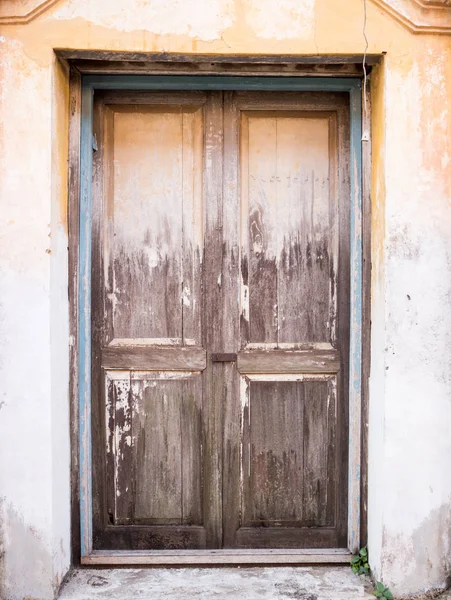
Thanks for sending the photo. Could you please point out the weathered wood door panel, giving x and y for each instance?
(286, 479)
(149, 353)
(220, 229)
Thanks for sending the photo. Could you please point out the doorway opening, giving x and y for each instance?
(220, 319)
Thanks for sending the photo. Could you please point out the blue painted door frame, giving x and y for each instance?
(189, 82)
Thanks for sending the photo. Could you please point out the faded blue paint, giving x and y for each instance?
(84, 321)
(355, 350)
(219, 82)
(191, 82)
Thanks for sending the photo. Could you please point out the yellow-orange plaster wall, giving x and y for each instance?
(410, 398)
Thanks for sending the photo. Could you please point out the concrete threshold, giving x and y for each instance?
(258, 583)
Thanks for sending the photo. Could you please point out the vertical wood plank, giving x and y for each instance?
(343, 183)
(274, 454)
(192, 225)
(191, 451)
(306, 239)
(259, 165)
(159, 451)
(146, 225)
(213, 318)
(319, 469)
(232, 311)
(73, 225)
(84, 321)
(355, 366)
(97, 317)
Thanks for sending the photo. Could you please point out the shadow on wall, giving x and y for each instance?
(25, 561)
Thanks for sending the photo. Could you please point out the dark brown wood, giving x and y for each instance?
(230, 357)
(319, 464)
(73, 230)
(157, 537)
(152, 358)
(273, 455)
(231, 406)
(245, 59)
(289, 453)
(289, 361)
(214, 276)
(95, 67)
(286, 537)
(342, 290)
(101, 495)
(156, 458)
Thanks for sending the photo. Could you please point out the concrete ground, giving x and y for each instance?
(269, 583)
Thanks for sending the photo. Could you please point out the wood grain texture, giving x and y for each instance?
(154, 223)
(231, 288)
(289, 361)
(101, 132)
(213, 317)
(153, 445)
(286, 537)
(294, 320)
(154, 358)
(150, 67)
(289, 250)
(288, 469)
(169, 58)
(240, 557)
(74, 225)
(147, 358)
(141, 538)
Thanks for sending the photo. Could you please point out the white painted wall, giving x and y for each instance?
(34, 427)
(410, 402)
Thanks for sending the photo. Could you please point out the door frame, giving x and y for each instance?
(80, 208)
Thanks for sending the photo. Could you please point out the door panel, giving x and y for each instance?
(220, 230)
(286, 479)
(288, 233)
(288, 451)
(154, 223)
(153, 447)
(149, 357)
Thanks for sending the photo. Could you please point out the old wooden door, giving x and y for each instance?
(220, 310)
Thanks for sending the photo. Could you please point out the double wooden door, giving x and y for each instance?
(220, 312)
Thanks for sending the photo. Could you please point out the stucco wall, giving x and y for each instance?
(410, 402)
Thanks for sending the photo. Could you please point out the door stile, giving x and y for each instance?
(343, 313)
(99, 177)
(355, 344)
(84, 321)
(231, 291)
(214, 323)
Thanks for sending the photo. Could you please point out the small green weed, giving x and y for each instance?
(359, 562)
(382, 592)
